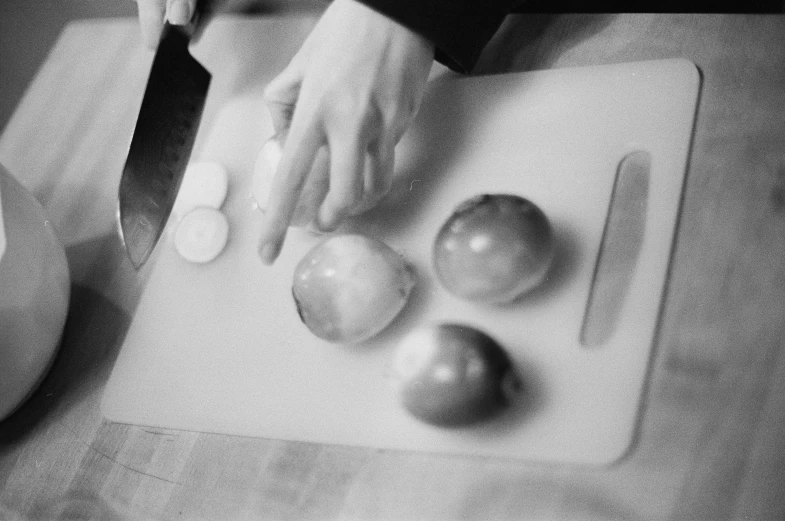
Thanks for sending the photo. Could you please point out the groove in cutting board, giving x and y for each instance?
(621, 244)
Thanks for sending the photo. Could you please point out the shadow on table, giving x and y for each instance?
(93, 333)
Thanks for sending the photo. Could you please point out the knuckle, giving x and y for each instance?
(351, 111)
(346, 109)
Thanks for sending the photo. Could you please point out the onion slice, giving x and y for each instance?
(201, 234)
(205, 183)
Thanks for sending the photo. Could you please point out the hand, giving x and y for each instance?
(153, 13)
(353, 88)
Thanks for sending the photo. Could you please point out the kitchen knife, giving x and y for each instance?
(163, 138)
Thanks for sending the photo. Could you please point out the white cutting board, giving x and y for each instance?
(220, 348)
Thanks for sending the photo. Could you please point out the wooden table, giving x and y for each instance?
(712, 441)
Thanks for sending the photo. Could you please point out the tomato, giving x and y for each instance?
(348, 288)
(493, 248)
(453, 375)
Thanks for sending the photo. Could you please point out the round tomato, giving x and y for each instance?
(493, 248)
(453, 375)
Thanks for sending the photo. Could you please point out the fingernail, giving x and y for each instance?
(328, 220)
(324, 226)
(179, 12)
(268, 252)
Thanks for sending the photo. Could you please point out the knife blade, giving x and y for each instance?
(163, 139)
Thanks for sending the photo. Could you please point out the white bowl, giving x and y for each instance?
(34, 292)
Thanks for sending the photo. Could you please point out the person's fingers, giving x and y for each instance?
(302, 146)
(314, 191)
(281, 95)
(378, 171)
(180, 12)
(347, 163)
(151, 20)
(351, 94)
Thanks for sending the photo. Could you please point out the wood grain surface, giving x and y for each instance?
(711, 443)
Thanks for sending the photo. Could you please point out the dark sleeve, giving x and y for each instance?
(459, 29)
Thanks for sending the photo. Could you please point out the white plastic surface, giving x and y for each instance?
(220, 347)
